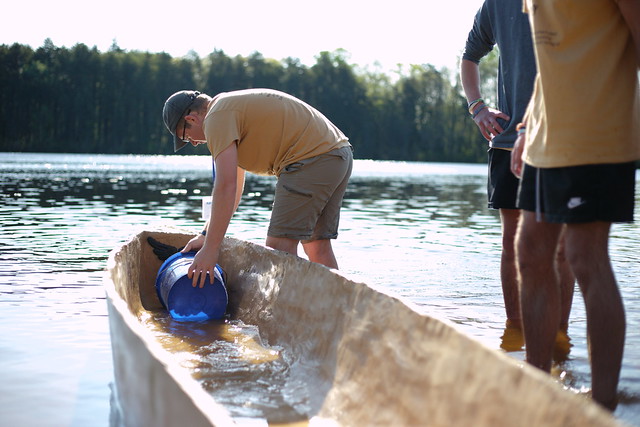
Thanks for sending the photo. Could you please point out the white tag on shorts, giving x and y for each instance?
(206, 208)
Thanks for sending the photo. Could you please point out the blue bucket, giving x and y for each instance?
(181, 299)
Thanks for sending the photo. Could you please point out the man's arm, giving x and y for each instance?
(470, 78)
(225, 201)
(517, 163)
(239, 187)
(486, 117)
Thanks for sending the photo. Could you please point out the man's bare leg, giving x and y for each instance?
(321, 251)
(588, 253)
(508, 267)
(283, 244)
(536, 247)
(567, 284)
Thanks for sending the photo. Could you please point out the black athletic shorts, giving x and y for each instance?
(579, 194)
(502, 184)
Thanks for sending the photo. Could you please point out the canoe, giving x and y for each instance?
(354, 355)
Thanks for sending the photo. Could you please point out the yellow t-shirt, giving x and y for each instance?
(272, 129)
(585, 107)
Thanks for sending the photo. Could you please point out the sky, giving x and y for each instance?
(376, 34)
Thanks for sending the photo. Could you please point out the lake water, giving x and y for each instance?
(421, 230)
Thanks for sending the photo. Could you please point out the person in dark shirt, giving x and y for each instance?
(503, 23)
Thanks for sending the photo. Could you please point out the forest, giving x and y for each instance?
(80, 100)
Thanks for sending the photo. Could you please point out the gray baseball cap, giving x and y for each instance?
(175, 108)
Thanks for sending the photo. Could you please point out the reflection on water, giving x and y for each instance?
(242, 373)
(421, 230)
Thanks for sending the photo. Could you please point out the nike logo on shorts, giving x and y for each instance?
(574, 202)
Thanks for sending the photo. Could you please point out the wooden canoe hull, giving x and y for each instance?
(368, 358)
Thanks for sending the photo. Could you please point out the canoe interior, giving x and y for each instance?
(359, 354)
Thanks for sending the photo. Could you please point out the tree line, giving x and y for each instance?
(80, 100)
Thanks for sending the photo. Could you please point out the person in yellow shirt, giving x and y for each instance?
(266, 132)
(502, 23)
(576, 152)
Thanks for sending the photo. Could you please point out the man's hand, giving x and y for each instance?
(516, 156)
(204, 262)
(199, 267)
(487, 122)
(194, 244)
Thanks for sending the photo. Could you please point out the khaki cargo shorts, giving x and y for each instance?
(309, 195)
